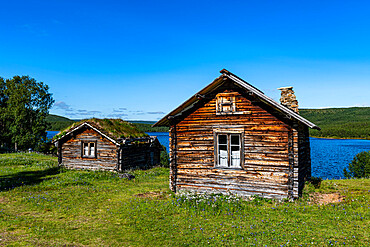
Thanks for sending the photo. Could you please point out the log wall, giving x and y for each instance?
(106, 152)
(271, 150)
(140, 156)
(109, 157)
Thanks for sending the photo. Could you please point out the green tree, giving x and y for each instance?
(359, 167)
(3, 99)
(25, 105)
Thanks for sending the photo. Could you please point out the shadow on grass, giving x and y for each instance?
(15, 180)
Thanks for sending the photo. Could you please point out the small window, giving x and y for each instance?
(89, 149)
(228, 150)
(225, 103)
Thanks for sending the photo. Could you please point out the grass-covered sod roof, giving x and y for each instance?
(114, 128)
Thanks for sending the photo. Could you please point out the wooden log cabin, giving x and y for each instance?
(231, 138)
(106, 144)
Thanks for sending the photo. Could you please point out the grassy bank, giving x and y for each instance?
(43, 205)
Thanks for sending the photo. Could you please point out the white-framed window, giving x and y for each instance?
(228, 150)
(88, 149)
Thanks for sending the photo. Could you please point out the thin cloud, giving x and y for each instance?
(88, 113)
(120, 110)
(62, 105)
(33, 29)
(155, 112)
(76, 112)
(94, 112)
(71, 114)
(117, 115)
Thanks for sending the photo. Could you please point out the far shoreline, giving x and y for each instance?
(319, 137)
(339, 138)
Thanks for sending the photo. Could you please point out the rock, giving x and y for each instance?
(126, 175)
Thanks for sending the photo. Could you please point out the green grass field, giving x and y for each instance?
(44, 205)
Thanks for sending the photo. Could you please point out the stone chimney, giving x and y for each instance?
(288, 98)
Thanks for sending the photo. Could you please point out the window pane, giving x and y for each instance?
(92, 149)
(226, 108)
(86, 149)
(235, 150)
(223, 158)
(222, 151)
(235, 158)
(234, 139)
(222, 139)
(222, 147)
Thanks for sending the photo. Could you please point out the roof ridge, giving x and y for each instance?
(226, 72)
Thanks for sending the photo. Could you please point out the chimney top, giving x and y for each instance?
(285, 88)
(288, 98)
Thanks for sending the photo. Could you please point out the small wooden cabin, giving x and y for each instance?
(106, 144)
(231, 138)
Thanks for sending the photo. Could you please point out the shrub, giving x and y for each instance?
(315, 181)
(359, 167)
(5, 149)
(47, 148)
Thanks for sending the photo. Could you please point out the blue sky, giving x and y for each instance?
(141, 59)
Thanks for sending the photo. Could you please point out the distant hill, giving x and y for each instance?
(146, 126)
(141, 121)
(352, 122)
(59, 123)
(57, 118)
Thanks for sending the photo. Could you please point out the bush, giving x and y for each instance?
(5, 149)
(47, 148)
(359, 167)
(315, 181)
